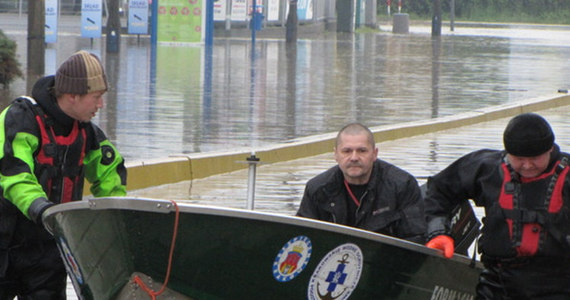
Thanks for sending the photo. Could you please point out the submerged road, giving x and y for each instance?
(279, 186)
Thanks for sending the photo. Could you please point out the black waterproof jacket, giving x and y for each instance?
(479, 176)
(393, 204)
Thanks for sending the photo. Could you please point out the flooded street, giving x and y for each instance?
(279, 187)
(180, 100)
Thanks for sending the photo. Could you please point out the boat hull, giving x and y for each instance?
(236, 254)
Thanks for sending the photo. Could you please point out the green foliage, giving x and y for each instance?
(9, 65)
(530, 11)
(366, 29)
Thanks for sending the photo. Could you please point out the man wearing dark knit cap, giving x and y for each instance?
(525, 190)
(49, 146)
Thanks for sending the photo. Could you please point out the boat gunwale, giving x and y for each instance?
(166, 206)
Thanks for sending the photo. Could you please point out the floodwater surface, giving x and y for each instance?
(239, 95)
(176, 100)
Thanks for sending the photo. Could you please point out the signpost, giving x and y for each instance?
(51, 21)
(91, 18)
(138, 17)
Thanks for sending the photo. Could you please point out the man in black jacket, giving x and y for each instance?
(525, 189)
(365, 192)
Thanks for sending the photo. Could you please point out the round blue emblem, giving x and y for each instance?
(337, 274)
(292, 258)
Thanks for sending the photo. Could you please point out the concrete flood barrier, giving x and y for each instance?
(174, 169)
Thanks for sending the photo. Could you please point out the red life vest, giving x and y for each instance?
(528, 227)
(59, 162)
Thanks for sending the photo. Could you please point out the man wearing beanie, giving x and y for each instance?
(525, 190)
(48, 148)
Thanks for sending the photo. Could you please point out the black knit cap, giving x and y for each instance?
(82, 73)
(528, 135)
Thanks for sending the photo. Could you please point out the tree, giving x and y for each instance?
(9, 65)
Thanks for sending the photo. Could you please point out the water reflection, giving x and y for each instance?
(279, 186)
(236, 94)
(435, 66)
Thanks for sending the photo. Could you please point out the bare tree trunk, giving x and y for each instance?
(36, 41)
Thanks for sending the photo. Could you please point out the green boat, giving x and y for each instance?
(131, 248)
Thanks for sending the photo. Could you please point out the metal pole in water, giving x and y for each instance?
(154, 24)
(253, 24)
(452, 15)
(252, 161)
(209, 39)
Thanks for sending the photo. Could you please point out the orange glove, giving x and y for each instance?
(444, 243)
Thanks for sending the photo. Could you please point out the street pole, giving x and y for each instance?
(36, 41)
(291, 33)
(253, 23)
(253, 161)
(452, 15)
(436, 20)
(113, 30)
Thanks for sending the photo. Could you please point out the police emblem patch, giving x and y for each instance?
(292, 258)
(337, 274)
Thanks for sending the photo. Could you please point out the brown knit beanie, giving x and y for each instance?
(82, 73)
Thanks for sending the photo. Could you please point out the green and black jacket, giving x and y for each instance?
(45, 158)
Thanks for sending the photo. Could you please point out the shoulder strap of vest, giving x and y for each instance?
(559, 168)
(39, 112)
(561, 235)
(33, 104)
(509, 203)
(32, 100)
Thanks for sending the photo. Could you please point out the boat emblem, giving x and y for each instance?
(337, 274)
(292, 258)
(70, 262)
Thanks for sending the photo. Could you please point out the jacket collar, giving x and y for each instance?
(42, 92)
